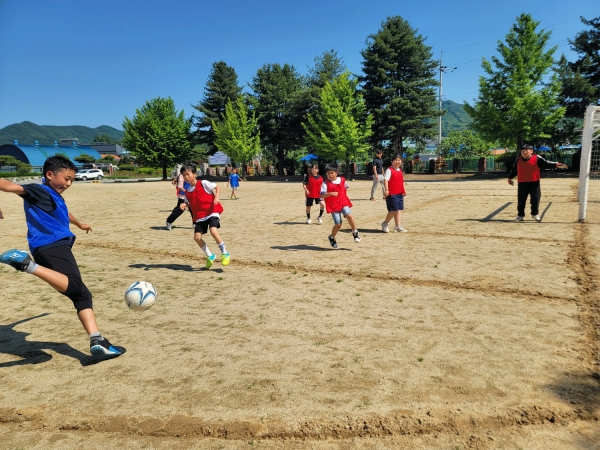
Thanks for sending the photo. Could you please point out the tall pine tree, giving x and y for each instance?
(518, 100)
(221, 88)
(399, 84)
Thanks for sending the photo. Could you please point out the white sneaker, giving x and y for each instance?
(384, 227)
(320, 220)
(308, 221)
(169, 225)
(519, 219)
(400, 229)
(356, 236)
(537, 218)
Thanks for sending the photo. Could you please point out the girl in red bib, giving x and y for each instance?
(527, 170)
(333, 191)
(393, 181)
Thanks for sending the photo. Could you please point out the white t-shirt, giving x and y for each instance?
(208, 187)
(338, 180)
(388, 173)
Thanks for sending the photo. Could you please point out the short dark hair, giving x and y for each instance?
(526, 147)
(378, 152)
(57, 163)
(332, 166)
(396, 157)
(188, 166)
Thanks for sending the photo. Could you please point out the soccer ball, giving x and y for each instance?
(140, 296)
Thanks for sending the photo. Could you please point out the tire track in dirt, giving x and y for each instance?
(489, 288)
(400, 422)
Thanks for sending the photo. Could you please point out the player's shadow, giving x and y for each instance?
(289, 223)
(183, 267)
(308, 247)
(14, 343)
(579, 389)
(163, 228)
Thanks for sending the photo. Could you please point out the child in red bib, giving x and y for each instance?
(393, 181)
(333, 191)
(527, 169)
(312, 191)
(203, 200)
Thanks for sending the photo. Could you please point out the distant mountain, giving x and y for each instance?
(455, 119)
(28, 133)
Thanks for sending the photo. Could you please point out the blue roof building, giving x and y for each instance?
(35, 155)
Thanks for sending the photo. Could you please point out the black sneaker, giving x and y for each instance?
(101, 346)
(356, 236)
(332, 241)
(19, 259)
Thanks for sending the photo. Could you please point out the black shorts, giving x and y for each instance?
(202, 227)
(395, 202)
(61, 260)
(310, 201)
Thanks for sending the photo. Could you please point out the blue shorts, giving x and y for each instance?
(395, 202)
(337, 216)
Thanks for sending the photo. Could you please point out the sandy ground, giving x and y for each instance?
(469, 331)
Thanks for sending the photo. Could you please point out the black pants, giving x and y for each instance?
(531, 188)
(177, 211)
(61, 259)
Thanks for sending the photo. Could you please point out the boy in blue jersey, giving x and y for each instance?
(50, 241)
(234, 182)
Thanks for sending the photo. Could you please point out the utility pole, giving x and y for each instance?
(442, 69)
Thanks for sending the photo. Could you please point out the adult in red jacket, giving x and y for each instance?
(527, 170)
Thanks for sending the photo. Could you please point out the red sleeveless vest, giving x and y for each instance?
(528, 171)
(335, 204)
(396, 182)
(201, 202)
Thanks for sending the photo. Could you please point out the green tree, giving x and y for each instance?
(21, 167)
(221, 88)
(518, 101)
(85, 159)
(463, 145)
(340, 128)
(158, 135)
(103, 138)
(399, 85)
(237, 133)
(581, 79)
(275, 100)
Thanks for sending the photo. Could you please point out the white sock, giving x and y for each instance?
(222, 247)
(32, 267)
(206, 250)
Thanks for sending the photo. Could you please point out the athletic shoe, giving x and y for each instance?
(537, 218)
(19, 259)
(519, 219)
(225, 259)
(320, 220)
(308, 221)
(210, 260)
(400, 229)
(356, 236)
(102, 347)
(169, 226)
(332, 241)
(372, 199)
(384, 227)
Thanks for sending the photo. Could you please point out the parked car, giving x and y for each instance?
(89, 174)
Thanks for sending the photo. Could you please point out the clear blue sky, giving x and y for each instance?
(84, 62)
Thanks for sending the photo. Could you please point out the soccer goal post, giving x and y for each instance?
(590, 157)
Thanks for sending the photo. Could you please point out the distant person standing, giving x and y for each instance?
(377, 169)
(395, 191)
(527, 170)
(234, 183)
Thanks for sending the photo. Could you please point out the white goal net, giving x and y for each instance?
(589, 172)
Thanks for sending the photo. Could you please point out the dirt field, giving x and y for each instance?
(469, 331)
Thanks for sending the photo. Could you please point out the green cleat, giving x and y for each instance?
(210, 260)
(225, 259)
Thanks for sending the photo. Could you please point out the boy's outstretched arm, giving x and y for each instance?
(78, 224)
(217, 190)
(9, 186)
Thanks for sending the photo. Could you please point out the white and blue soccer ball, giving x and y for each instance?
(140, 296)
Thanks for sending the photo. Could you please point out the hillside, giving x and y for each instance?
(455, 119)
(28, 133)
